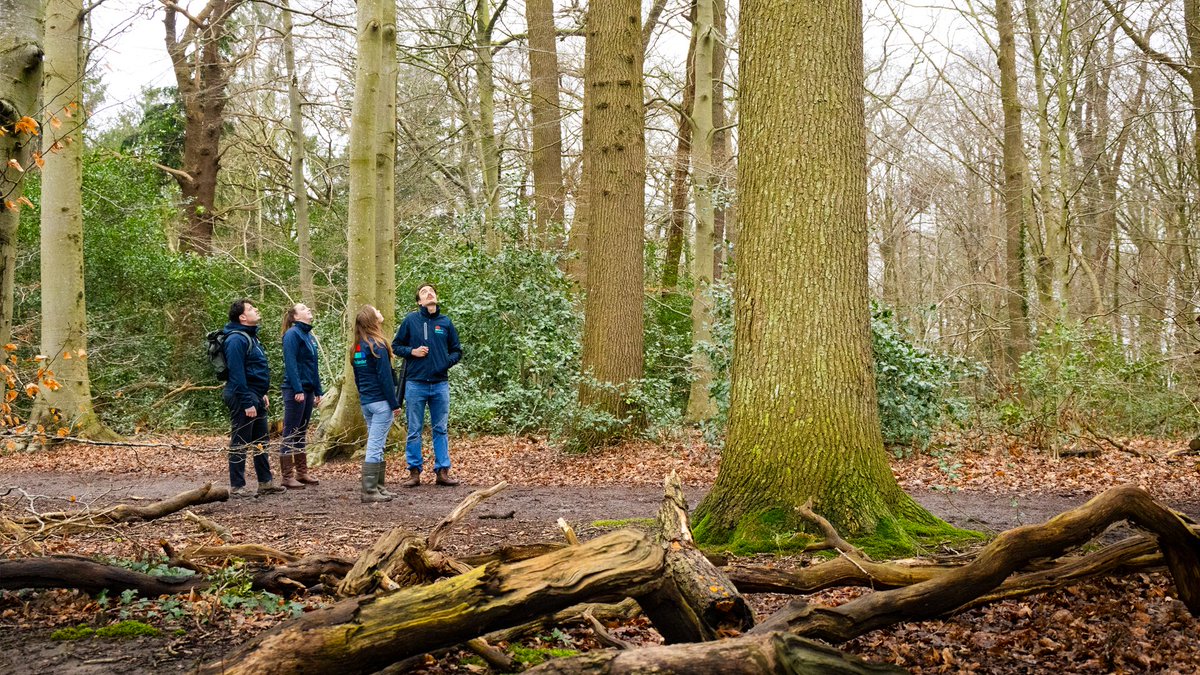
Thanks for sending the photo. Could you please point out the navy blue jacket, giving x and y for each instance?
(373, 374)
(300, 360)
(249, 373)
(436, 331)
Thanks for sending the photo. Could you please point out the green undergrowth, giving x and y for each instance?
(780, 532)
(122, 630)
(535, 656)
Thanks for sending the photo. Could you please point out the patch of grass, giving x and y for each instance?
(627, 522)
(898, 537)
(531, 656)
(119, 631)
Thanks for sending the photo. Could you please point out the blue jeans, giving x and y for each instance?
(379, 419)
(435, 395)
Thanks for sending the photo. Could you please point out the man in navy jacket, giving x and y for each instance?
(246, 397)
(429, 344)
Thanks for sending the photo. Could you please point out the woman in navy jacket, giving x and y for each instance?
(372, 361)
(301, 394)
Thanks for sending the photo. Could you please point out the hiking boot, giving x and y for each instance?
(241, 493)
(414, 478)
(370, 484)
(443, 477)
(300, 463)
(287, 472)
(269, 488)
(383, 479)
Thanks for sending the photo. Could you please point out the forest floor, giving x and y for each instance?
(1115, 625)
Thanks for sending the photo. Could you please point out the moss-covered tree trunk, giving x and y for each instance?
(489, 149)
(546, 110)
(65, 398)
(1014, 188)
(343, 431)
(614, 166)
(804, 421)
(20, 85)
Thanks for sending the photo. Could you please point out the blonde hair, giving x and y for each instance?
(369, 329)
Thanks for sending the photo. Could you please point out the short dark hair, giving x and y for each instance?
(417, 295)
(237, 309)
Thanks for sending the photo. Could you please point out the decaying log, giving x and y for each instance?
(65, 571)
(496, 658)
(206, 524)
(409, 559)
(699, 602)
(1010, 551)
(364, 634)
(625, 610)
(301, 574)
(748, 655)
(244, 551)
(510, 554)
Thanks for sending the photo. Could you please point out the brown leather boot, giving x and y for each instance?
(414, 478)
(443, 477)
(287, 464)
(300, 462)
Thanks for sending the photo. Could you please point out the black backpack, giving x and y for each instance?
(216, 351)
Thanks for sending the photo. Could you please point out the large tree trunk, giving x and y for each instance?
(342, 432)
(614, 166)
(700, 404)
(20, 86)
(548, 189)
(299, 185)
(804, 420)
(67, 404)
(201, 75)
(1014, 189)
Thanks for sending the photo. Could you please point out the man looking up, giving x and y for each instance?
(246, 397)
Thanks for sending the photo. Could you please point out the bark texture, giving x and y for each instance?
(65, 397)
(614, 165)
(548, 189)
(1014, 188)
(804, 420)
(299, 185)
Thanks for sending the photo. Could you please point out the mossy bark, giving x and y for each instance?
(804, 420)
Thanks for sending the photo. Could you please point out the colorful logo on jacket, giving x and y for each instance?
(360, 357)
(439, 330)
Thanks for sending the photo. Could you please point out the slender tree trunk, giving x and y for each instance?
(299, 186)
(385, 167)
(700, 404)
(342, 433)
(1014, 189)
(614, 165)
(1060, 253)
(549, 192)
(804, 419)
(20, 89)
(722, 139)
(64, 311)
(488, 149)
(677, 221)
(1044, 242)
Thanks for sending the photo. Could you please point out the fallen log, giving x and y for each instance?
(367, 633)
(698, 602)
(748, 655)
(300, 575)
(997, 561)
(68, 571)
(44, 524)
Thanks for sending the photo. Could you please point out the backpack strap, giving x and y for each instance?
(249, 340)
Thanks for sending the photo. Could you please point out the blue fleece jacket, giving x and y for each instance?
(249, 373)
(300, 372)
(436, 331)
(373, 374)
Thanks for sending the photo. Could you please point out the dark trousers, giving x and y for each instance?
(249, 434)
(296, 416)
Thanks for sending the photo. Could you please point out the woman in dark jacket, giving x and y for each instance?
(372, 361)
(301, 394)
